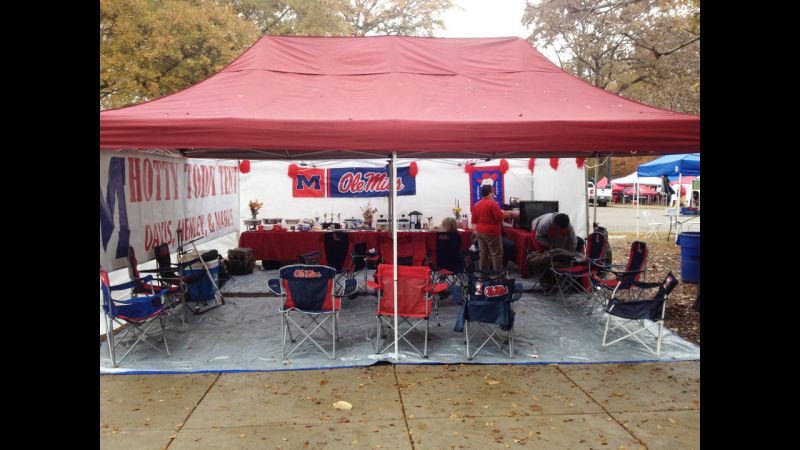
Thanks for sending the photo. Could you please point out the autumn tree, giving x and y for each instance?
(295, 17)
(395, 17)
(344, 17)
(150, 48)
(645, 50)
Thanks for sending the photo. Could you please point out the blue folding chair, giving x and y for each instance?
(136, 314)
(309, 291)
(644, 314)
(488, 308)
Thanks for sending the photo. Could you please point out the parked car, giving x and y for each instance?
(603, 195)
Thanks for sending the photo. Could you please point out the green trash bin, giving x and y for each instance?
(690, 256)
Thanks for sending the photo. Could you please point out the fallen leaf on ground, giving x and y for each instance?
(341, 404)
(492, 382)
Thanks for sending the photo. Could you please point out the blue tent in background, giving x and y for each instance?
(671, 166)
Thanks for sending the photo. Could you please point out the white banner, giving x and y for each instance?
(145, 199)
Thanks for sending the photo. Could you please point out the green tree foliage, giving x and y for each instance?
(344, 17)
(295, 17)
(150, 48)
(645, 50)
(395, 17)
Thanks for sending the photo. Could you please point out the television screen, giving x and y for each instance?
(531, 209)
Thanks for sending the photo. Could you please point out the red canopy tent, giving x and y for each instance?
(351, 97)
(602, 183)
(368, 97)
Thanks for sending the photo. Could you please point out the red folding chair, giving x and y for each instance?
(415, 297)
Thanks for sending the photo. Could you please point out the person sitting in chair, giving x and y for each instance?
(552, 234)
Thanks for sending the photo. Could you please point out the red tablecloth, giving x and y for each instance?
(522, 241)
(285, 246)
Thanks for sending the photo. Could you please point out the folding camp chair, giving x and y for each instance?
(309, 291)
(604, 289)
(448, 263)
(415, 295)
(570, 275)
(163, 279)
(596, 250)
(409, 251)
(644, 314)
(137, 314)
(487, 310)
(654, 226)
(188, 281)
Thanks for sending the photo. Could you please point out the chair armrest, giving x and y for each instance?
(437, 288)
(350, 287)
(373, 285)
(274, 285)
(627, 273)
(141, 299)
(129, 284)
(646, 284)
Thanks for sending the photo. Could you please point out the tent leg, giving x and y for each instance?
(393, 184)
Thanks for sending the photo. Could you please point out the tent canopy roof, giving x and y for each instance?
(357, 97)
(671, 165)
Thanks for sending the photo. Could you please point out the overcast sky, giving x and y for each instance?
(485, 18)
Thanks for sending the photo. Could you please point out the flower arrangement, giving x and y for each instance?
(255, 206)
(368, 213)
(457, 211)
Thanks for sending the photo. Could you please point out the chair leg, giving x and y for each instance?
(425, 352)
(511, 343)
(164, 334)
(110, 340)
(660, 335)
(466, 335)
(335, 315)
(378, 335)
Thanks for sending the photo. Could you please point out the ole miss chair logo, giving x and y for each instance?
(497, 290)
(309, 183)
(310, 273)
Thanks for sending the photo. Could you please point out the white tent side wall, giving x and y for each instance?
(439, 184)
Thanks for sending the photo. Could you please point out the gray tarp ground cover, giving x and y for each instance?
(245, 334)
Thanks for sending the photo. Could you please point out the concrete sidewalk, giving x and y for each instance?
(613, 406)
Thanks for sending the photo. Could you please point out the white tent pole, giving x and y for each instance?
(596, 174)
(394, 245)
(636, 197)
(585, 184)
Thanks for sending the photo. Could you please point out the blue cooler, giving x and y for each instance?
(203, 289)
(690, 256)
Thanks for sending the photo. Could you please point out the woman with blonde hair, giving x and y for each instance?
(449, 225)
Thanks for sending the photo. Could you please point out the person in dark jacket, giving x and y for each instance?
(552, 233)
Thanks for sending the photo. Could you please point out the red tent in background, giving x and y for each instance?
(617, 188)
(602, 183)
(355, 97)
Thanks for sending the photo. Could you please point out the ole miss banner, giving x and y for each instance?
(368, 182)
(476, 177)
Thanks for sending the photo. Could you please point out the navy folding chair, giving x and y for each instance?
(637, 316)
(136, 314)
(570, 275)
(488, 312)
(308, 291)
(623, 281)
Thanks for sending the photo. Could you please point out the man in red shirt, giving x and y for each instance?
(487, 218)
